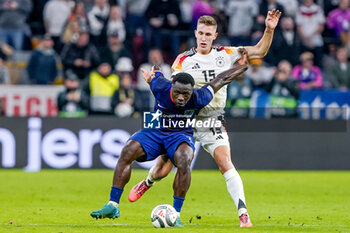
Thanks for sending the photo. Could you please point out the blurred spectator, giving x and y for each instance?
(238, 98)
(155, 57)
(123, 99)
(284, 92)
(290, 7)
(77, 22)
(339, 73)
(186, 7)
(101, 86)
(4, 72)
(42, 69)
(329, 5)
(124, 64)
(338, 19)
(330, 58)
(13, 16)
(164, 18)
(259, 74)
(185, 24)
(136, 21)
(36, 17)
(309, 76)
(136, 15)
(265, 6)
(199, 8)
(310, 24)
(2, 108)
(56, 13)
(241, 15)
(72, 102)
(268, 5)
(222, 25)
(114, 49)
(81, 56)
(286, 44)
(144, 99)
(115, 23)
(98, 17)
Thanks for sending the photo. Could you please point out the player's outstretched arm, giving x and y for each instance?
(148, 75)
(262, 47)
(229, 75)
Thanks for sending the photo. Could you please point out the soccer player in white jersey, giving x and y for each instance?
(204, 62)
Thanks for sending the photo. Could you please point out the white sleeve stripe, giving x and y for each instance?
(210, 88)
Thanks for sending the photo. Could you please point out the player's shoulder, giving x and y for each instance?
(159, 82)
(230, 50)
(186, 54)
(177, 65)
(189, 53)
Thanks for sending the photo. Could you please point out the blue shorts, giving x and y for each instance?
(156, 142)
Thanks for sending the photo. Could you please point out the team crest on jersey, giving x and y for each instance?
(220, 62)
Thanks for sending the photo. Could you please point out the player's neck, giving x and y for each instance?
(203, 52)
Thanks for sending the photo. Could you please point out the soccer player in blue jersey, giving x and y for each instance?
(177, 102)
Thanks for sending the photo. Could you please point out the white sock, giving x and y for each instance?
(150, 180)
(235, 189)
(115, 204)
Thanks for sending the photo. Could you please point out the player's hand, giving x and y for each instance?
(147, 75)
(78, 62)
(272, 19)
(14, 5)
(244, 57)
(156, 22)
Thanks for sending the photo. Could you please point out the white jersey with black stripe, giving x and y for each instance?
(204, 68)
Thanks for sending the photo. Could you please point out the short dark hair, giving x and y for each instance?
(184, 78)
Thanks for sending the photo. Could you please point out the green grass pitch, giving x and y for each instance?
(278, 201)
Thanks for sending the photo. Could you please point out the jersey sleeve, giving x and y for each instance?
(232, 52)
(159, 85)
(177, 65)
(202, 96)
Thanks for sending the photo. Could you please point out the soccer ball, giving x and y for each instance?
(163, 216)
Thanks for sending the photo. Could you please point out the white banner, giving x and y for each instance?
(24, 100)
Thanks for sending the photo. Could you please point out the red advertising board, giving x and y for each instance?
(29, 100)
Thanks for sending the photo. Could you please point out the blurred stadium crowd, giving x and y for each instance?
(96, 47)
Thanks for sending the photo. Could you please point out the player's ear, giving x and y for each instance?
(216, 35)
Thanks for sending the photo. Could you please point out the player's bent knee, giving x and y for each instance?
(222, 157)
(131, 151)
(160, 171)
(183, 161)
(183, 156)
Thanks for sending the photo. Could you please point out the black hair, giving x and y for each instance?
(184, 78)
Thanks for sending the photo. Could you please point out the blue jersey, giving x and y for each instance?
(167, 138)
(173, 118)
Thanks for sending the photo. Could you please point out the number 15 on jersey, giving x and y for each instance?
(208, 75)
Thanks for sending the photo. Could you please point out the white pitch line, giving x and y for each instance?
(130, 224)
(300, 225)
(68, 225)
